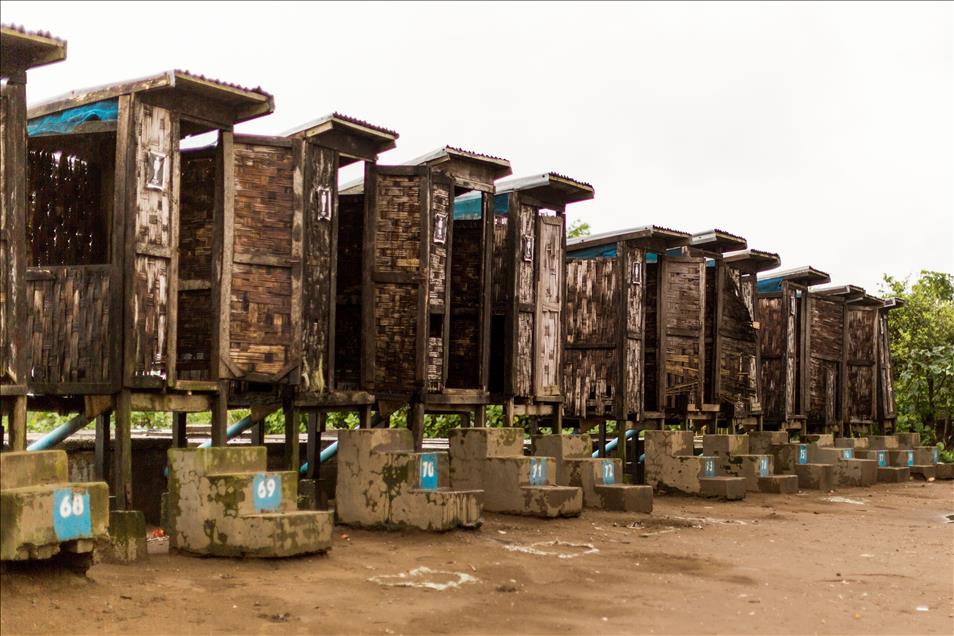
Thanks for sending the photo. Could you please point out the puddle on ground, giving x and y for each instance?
(557, 548)
(425, 578)
(846, 500)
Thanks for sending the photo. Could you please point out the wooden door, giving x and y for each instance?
(682, 331)
(631, 363)
(886, 379)
(861, 361)
(825, 360)
(549, 310)
(793, 303)
(151, 251)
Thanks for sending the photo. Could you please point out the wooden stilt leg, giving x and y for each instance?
(534, 425)
(101, 463)
(508, 413)
(258, 433)
(18, 423)
(557, 419)
(322, 498)
(417, 425)
(313, 447)
(602, 438)
(465, 420)
(292, 450)
(220, 415)
(365, 417)
(621, 427)
(122, 465)
(480, 416)
(179, 438)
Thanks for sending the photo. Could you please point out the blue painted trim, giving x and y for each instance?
(67, 121)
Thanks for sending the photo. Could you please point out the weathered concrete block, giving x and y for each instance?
(41, 513)
(748, 467)
(884, 442)
(856, 472)
(492, 460)
(764, 442)
(382, 482)
(925, 455)
(944, 471)
(730, 488)
(127, 536)
(661, 444)
(893, 474)
(924, 471)
(908, 440)
(815, 476)
(901, 457)
(725, 445)
(601, 479)
(819, 439)
(222, 502)
(779, 484)
(851, 442)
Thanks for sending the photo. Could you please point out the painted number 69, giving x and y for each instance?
(266, 488)
(71, 506)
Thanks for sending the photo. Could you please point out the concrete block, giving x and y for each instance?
(856, 472)
(725, 445)
(851, 442)
(748, 467)
(815, 476)
(127, 536)
(659, 444)
(819, 439)
(778, 484)
(885, 442)
(730, 488)
(764, 442)
(924, 471)
(908, 440)
(38, 520)
(944, 471)
(901, 457)
(382, 482)
(601, 479)
(222, 502)
(925, 455)
(893, 474)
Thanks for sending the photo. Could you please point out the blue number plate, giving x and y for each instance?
(428, 479)
(71, 518)
(846, 453)
(266, 492)
(609, 471)
(763, 467)
(882, 459)
(709, 467)
(538, 471)
(910, 458)
(802, 454)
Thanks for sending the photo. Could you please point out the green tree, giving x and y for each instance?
(578, 229)
(922, 350)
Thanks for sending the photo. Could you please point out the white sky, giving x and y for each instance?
(820, 131)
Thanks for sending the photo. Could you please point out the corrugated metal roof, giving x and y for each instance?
(751, 261)
(718, 240)
(344, 118)
(23, 49)
(450, 151)
(540, 180)
(670, 237)
(38, 34)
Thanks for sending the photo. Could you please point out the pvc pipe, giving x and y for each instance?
(235, 430)
(613, 443)
(60, 433)
(323, 456)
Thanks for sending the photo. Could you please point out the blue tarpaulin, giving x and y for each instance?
(467, 206)
(67, 121)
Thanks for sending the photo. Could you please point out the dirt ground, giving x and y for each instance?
(881, 562)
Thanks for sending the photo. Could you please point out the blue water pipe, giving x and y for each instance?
(613, 443)
(323, 456)
(60, 433)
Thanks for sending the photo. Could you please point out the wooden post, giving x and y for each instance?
(179, 437)
(365, 416)
(18, 423)
(258, 433)
(602, 438)
(292, 451)
(465, 420)
(621, 427)
(220, 415)
(508, 413)
(313, 447)
(417, 424)
(319, 494)
(557, 419)
(122, 466)
(101, 463)
(534, 425)
(480, 416)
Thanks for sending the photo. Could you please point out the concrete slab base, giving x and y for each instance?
(729, 488)
(924, 472)
(815, 476)
(625, 497)
(893, 474)
(127, 537)
(944, 471)
(779, 484)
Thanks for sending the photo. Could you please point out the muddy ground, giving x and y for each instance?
(881, 562)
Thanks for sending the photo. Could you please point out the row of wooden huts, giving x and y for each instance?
(137, 275)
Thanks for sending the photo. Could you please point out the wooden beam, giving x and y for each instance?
(220, 415)
(292, 453)
(180, 439)
(122, 466)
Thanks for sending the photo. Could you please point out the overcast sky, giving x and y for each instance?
(822, 132)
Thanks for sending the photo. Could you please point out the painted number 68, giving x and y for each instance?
(71, 506)
(266, 488)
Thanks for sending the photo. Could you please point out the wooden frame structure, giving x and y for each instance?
(613, 333)
(105, 166)
(426, 297)
(786, 331)
(869, 386)
(732, 344)
(529, 300)
(20, 50)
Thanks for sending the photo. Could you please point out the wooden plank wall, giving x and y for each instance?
(772, 344)
(633, 369)
(151, 252)
(266, 258)
(549, 307)
(861, 359)
(195, 315)
(439, 287)
(886, 406)
(825, 367)
(397, 238)
(69, 326)
(591, 365)
(651, 273)
(683, 326)
(526, 292)
(12, 233)
(737, 348)
(348, 333)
